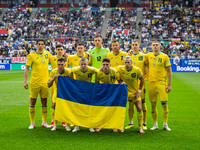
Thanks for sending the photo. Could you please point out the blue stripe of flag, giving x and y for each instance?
(92, 93)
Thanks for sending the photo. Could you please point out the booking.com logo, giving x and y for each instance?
(188, 69)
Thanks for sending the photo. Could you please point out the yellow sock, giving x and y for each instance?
(165, 111)
(55, 122)
(32, 113)
(140, 118)
(154, 111)
(52, 113)
(44, 113)
(130, 111)
(144, 109)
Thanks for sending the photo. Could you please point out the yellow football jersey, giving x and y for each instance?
(109, 78)
(116, 60)
(139, 60)
(39, 65)
(53, 62)
(74, 60)
(130, 77)
(83, 76)
(67, 73)
(157, 66)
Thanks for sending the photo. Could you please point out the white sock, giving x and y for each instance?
(165, 124)
(130, 122)
(32, 123)
(156, 124)
(144, 123)
(44, 122)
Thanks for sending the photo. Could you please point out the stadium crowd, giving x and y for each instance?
(177, 28)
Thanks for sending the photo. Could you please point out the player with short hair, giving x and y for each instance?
(116, 56)
(107, 75)
(74, 59)
(139, 60)
(98, 53)
(130, 75)
(159, 68)
(54, 59)
(55, 73)
(83, 73)
(38, 61)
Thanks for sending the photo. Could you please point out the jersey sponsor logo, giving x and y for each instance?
(75, 60)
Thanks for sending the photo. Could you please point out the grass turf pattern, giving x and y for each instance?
(184, 120)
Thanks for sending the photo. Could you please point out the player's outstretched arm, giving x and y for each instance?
(169, 71)
(26, 76)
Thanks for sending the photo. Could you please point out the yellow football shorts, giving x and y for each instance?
(156, 89)
(131, 97)
(42, 90)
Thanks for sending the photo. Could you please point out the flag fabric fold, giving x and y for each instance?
(91, 105)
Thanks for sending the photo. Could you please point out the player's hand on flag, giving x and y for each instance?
(25, 85)
(123, 83)
(137, 94)
(168, 89)
(32, 52)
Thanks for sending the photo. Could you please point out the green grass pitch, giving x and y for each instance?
(184, 120)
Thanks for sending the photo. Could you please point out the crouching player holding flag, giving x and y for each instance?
(60, 71)
(107, 75)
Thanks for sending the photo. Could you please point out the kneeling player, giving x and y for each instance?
(130, 75)
(107, 76)
(60, 71)
(83, 73)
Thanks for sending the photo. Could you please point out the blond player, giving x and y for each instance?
(139, 60)
(55, 73)
(38, 61)
(159, 68)
(130, 75)
(83, 73)
(53, 60)
(116, 56)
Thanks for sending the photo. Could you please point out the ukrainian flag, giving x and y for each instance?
(91, 105)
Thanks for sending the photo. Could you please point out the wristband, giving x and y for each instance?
(139, 91)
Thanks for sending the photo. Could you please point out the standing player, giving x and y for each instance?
(83, 73)
(74, 59)
(159, 68)
(116, 56)
(98, 53)
(107, 76)
(139, 60)
(54, 59)
(130, 75)
(38, 61)
(59, 71)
